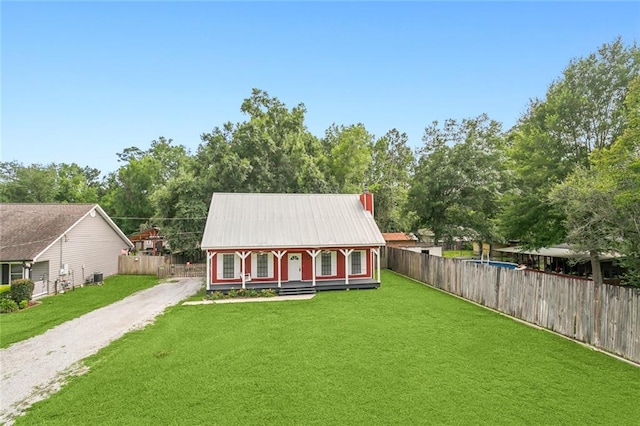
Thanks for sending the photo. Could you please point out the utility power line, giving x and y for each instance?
(158, 218)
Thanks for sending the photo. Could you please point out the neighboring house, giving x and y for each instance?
(58, 245)
(400, 239)
(295, 241)
(149, 242)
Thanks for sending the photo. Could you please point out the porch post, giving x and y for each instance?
(279, 255)
(243, 255)
(377, 252)
(210, 255)
(313, 254)
(346, 253)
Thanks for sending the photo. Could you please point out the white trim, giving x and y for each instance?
(292, 253)
(243, 271)
(376, 251)
(363, 262)
(220, 269)
(346, 253)
(279, 255)
(254, 265)
(334, 264)
(313, 254)
(296, 248)
(210, 256)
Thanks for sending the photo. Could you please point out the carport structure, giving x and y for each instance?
(563, 260)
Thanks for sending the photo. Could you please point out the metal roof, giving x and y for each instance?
(562, 251)
(288, 220)
(27, 229)
(398, 236)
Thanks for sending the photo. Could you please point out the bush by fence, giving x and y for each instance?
(604, 316)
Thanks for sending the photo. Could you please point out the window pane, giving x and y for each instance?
(228, 266)
(5, 274)
(326, 263)
(262, 267)
(16, 272)
(356, 262)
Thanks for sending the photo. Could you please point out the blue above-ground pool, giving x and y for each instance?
(507, 265)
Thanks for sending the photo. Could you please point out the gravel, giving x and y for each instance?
(33, 369)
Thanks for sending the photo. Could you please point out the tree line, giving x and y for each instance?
(567, 171)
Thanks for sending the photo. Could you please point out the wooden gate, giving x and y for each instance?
(183, 270)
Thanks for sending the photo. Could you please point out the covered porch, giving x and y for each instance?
(286, 261)
(300, 287)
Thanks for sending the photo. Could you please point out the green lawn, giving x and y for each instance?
(458, 253)
(57, 309)
(405, 354)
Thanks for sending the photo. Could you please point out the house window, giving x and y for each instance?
(325, 261)
(228, 266)
(356, 262)
(10, 272)
(262, 265)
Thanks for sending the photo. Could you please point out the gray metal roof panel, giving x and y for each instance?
(288, 220)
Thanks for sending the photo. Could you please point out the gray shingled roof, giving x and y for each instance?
(27, 229)
(288, 220)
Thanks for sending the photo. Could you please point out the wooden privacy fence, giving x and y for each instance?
(160, 266)
(604, 316)
(140, 265)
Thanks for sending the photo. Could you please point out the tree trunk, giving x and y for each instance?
(596, 270)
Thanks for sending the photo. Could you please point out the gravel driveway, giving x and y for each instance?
(33, 369)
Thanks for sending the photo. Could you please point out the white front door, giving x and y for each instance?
(295, 267)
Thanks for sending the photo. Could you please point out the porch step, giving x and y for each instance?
(296, 291)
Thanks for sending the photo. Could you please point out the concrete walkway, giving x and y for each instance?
(252, 299)
(33, 369)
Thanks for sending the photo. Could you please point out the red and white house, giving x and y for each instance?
(280, 241)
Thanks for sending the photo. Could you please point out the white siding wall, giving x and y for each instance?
(91, 246)
(40, 275)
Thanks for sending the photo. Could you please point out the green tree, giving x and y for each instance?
(128, 190)
(35, 183)
(459, 179)
(582, 111)
(388, 178)
(347, 151)
(78, 184)
(271, 151)
(181, 207)
(587, 202)
(602, 202)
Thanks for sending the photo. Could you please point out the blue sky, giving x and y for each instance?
(81, 81)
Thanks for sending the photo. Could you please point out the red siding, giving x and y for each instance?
(367, 201)
(307, 266)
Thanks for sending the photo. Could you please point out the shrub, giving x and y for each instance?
(8, 305)
(21, 289)
(4, 291)
(23, 304)
(267, 292)
(216, 295)
(232, 293)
